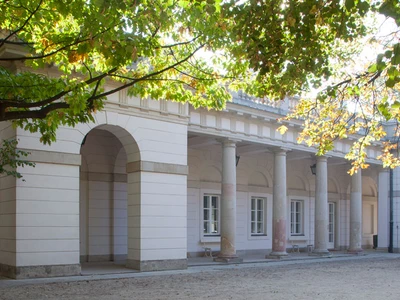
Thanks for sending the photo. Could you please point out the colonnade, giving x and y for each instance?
(279, 235)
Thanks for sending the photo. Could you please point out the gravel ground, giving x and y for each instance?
(367, 278)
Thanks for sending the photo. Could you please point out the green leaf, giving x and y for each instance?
(349, 4)
(396, 105)
(372, 68)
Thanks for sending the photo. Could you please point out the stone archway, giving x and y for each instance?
(104, 193)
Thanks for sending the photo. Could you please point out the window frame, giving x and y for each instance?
(308, 201)
(218, 233)
(264, 215)
(297, 219)
(267, 216)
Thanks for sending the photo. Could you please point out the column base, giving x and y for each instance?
(356, 251)
(320, 253)
(229, 259)
(157, 265)
(276, 255)
(43, 271)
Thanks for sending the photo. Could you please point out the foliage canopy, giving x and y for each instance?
(56, 55)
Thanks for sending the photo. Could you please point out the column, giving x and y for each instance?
(321, 208)
(279, 206)
(383, 209)
(356, 214)
(228, 204)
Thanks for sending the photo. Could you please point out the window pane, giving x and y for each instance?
(253, 227)
(292, 227)
(215, 215)
(206, 228)
(260, 215)
(215, 227)
(298, 206)
(253, 204)
(260, 204)
(253, 216)
(214, 203)
(298, 228)
(259, 228)
(205, 202)
(206, 215)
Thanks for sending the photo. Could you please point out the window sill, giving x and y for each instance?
(298, 238)
(258, 237)
(210, 239)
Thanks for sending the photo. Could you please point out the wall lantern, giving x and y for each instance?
(313, 169)
(237, 159)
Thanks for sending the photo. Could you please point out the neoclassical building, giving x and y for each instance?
(155, 182)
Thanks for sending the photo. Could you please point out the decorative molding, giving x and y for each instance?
(50, 157)
(156, 167)
(104, 177)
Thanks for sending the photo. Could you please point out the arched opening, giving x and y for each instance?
(369, 212)
(105, 152)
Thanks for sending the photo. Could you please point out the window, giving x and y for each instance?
(296, 217)
(211, 215)
(258, 216)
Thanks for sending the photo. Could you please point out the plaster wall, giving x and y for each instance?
(7, 208)
(157, 143)
(159, 140)
(396, 210)
(47, 215)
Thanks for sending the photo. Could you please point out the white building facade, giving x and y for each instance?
(155, 182)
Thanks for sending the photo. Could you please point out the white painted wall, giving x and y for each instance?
(396, 209)
(7, 207)
(161, 214)
(47, 215)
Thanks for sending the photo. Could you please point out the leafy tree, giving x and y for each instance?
(365, 103)
(56, 55)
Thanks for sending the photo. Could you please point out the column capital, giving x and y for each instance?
(229, 142)
(321, 157)
(282, 150)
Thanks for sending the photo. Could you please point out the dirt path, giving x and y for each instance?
(369, 278)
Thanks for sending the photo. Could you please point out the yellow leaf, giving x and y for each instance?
(314, 9)
(319, 20)
(282, 129)
(291, 21)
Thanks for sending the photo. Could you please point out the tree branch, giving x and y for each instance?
(6, 104)
(23, 25)
(33, 114)
(148, 76)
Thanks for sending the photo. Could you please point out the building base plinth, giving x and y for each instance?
(356, 251)
(157, 265)
(43, 271)
(383, 249)
(277, 255)
(229, 260)
(320, 253)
